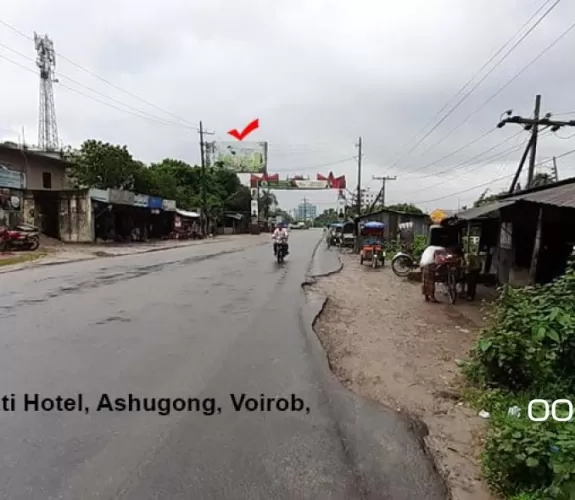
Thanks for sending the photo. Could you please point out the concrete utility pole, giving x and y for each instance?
(534, 133)
(533, 125)
(359, 156)
(381, 194)
(203, 179)
(555, 171)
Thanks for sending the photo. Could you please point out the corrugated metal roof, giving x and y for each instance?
(559, 196)
(484, 210)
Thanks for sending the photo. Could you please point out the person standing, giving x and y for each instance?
(428, 267)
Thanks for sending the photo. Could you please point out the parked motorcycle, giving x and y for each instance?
(24, 237)
(403, 263)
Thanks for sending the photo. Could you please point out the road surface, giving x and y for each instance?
(194, 325)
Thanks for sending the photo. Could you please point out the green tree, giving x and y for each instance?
(408, 208)
(484, 199)
(102, 165)
(267, 200)
(541, 179)
(326, 217)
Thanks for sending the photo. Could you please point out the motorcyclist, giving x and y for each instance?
(280, 235)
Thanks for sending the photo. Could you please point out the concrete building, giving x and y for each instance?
(306, 211)
(368, 196)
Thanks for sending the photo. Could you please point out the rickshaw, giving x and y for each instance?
(334, 234)
(372, 243)
(347, 239)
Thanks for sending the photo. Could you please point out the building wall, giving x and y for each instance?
(34, 166)
(76, 217)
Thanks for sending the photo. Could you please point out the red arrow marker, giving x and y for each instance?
(240, 136)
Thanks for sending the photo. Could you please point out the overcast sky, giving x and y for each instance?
(318, 74)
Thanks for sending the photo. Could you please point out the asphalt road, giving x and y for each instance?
(202, 322)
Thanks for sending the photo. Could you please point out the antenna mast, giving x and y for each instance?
(46, 62)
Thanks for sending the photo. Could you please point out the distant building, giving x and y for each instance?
(306, 211)
(367, 198)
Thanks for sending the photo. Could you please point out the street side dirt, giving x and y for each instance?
(386, 343)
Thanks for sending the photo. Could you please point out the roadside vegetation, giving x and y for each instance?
(11, 259)
(526, 352)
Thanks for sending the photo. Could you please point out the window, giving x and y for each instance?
(47, 180)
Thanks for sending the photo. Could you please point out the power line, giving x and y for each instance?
(61, 75)
(509, 82)
(505, 56)
(70, 89)
(488, 161)
(449, 155)
(467, 161)
(80, 67)
(467, 190)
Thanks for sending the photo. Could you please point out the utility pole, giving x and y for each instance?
(203, 179)
(533, 125)
(381, 194)
(555, 172)
(534, 133)
(358, 201)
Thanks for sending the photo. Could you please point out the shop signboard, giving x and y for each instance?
(102, 195)
(154, 202)
(10, 178)
(169, 205)
(10, 200)
(141, 200)
(121, 197)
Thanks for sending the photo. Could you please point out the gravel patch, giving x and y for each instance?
(387, 344)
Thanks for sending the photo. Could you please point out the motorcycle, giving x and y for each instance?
(402, 264)
(24, 237)
(281, 249)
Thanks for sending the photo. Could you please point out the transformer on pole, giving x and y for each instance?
(46, 62)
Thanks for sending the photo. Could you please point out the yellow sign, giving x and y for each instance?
(437, 216)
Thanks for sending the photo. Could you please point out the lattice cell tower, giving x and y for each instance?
(46, 61)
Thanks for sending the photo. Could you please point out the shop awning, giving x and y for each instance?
(484, 211)
(185, 213)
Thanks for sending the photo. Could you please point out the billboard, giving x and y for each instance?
(298, 182)
(241, 157)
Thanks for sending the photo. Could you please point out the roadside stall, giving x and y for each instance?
(186, 225)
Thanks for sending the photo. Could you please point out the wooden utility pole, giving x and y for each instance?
(381, 194)
(203, 179)
(358, 201)
(533, 125)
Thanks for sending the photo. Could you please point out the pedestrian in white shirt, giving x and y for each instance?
(428, 268)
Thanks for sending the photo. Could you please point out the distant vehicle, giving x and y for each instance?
(298, 225)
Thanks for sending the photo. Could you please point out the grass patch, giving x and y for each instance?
(23, 258)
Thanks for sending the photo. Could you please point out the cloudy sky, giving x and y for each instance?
(318, 74)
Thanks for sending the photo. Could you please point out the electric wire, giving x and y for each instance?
(101, 78)
(70, 89)
(509, 82)
(503, 58)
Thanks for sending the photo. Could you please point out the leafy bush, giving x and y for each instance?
(524, 456)
(527, 352)
(419, 244)
(530, 338)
